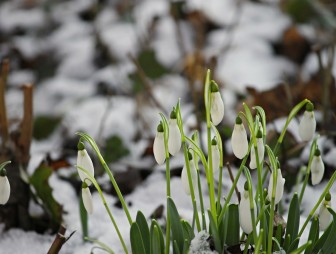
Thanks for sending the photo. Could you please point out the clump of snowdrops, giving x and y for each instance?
(225, 226)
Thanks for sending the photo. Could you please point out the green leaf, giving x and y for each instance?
(188, 232)
(44, 126)
(330, 243)
(294, 245)
(157, 238)
(278, 235)
(84, 218)
(148, 62)
(233, 227)
(136, 240)
(102, 245)
(143, 226)
(40, 181)
(313, 234)
(302, 248)
(114, 149)
(176, 226)
(214, 233)
(293, 221)
(320, 242)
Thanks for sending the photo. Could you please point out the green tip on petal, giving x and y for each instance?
(3, 172)
(214, 141)
(259, 134)
(214, 87)
(190, 156)
(327, 197)
(2, 165)
(246, 186)
(80, 146)
(84, 185)
(173, 114)
(160, 127)
(309, 106)
(239, 120)
(317, 152)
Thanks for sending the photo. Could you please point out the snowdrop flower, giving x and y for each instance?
(159, 147)
(260, 149)
(308, 123)
(245, 218)
(324, 215)
(317, 168)
(87, 198)
(217, 105)
(215, 155)
(84, 161)
(278, 189)
(4, 184)
(239, 139)
(174, 139)
(184, 175)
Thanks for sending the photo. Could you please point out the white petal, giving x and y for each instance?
(239, 141)
(279, 187)
(184, 177)
(4, 190)
(215, 157)
(261, 152)
(159, 148)
(87, 200)
(317, 170)
(307, 126)
(84, 161)
(324, 217)
(174, 139)
(245, 218)
(217, 108)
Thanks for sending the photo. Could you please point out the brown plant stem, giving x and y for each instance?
(232, 180)
(59, 240)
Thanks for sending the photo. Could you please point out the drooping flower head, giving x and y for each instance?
(184, 175)
(215, 154)
(174, 139)
(217, 105)
(84, 161)
(239, 141)
(260, 149)
(317, 168)
(158, 146)
(4, 184)
(279, 187)
(307, 125)
(324, 215)
(87, 198)
(245, 218)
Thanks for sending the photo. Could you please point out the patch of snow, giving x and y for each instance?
(106, 18)
(200, 244)
(20, 77)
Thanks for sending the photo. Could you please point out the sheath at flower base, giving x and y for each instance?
(158, 146)
(260, 149)
(87, 198)
(215, 154)
(317, 168)
(279, 187)
(217, 104)
(4, 187)
(184, 175)
(174, 139)
(307, 125)
(84, 161)
(325, 216)
(245, 218)
(239, 141)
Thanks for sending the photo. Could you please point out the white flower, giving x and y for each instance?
(4, 189)
(325, 216)
(307, 125)
(317, 168)
(245, 218)
(158, 146)
(239, 141)
(87, 199)
(215, 154)
(84, 161)
(174, 139)
(279, 187)
(217, 108)
(261, 152)
(184, 176)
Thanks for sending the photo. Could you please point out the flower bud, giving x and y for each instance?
(317, 168)
(307, 125)
(174, 139)
(158, 146)
(84, 161)
(324, 215)
(239, 141)
(245, 218)
(184, 175)
(260, 149)
(279, 187)
(87, 198)
(217, 105)
(4, 184)
(215, 154)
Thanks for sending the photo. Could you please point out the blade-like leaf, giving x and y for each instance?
(143, 226)
(136, 240)
(232, 230)
(157, 239)
(176, 226)
(293, 221)
(313, 234)
(214, 233)
(330, 243)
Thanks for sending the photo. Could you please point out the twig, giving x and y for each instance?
(232, 180)
(59, 240)
(3, 111)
